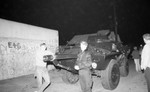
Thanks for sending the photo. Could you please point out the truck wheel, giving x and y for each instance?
(111, 76)
(124, 69)
(69, 77)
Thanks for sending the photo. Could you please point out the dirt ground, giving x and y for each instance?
(134, 82)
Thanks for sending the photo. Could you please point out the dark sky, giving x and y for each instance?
(71, 17)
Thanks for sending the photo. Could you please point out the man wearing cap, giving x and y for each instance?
(83, 64)
(145, 59)
(136, 56)
(41, 69)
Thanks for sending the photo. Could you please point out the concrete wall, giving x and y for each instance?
(18, 43)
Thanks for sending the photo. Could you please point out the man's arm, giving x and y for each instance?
(77, 63)
(50, 53)
(132, 54)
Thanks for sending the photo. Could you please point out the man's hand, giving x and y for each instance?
(94, 65)
(76, 67)
(49, 58)
(143, 67)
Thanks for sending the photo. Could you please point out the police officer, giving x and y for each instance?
(83, 64)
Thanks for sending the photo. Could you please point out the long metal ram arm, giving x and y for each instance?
(66, 56)
(59, 57)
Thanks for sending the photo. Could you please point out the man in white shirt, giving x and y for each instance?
(41, 69)
(145, 59)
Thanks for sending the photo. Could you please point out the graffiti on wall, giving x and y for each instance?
(7, 47)
(14, 45)
(17, 56)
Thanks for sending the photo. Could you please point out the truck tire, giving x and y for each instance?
(69, 77)
(124, 69)
(111, 76)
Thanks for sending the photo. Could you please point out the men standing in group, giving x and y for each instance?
(83, 64)
(41, 67)
(136, 56)
(145, 59)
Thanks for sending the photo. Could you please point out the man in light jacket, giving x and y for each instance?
(145, 59)
(41, 69)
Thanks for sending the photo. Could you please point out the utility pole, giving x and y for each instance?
(115, 20)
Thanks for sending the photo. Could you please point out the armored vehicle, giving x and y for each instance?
(107, 52)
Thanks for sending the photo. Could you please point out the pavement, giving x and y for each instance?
(134, 82)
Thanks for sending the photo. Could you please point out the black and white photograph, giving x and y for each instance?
(74, 46)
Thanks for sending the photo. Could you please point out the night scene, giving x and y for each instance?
(74, 46)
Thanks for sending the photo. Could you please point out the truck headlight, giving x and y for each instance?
(76, 67)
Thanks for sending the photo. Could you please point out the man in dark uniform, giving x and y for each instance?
(83, 64)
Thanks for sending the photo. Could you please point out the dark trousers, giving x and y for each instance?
(85, 79)
(147, 77)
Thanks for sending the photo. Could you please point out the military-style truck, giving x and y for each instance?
(107, 52)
